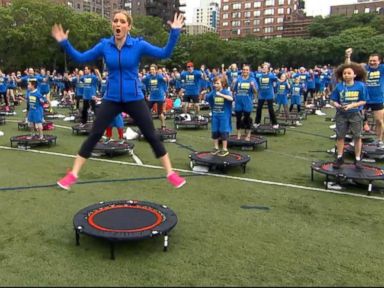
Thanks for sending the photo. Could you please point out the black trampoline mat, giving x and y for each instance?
(254, 139)
(349, 170)
(125, 219)
(369, 148)
(231, 159)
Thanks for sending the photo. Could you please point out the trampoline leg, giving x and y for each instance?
(165, 243)
(77, 234)
(112, 248)
(369, 188)
(326, 182)
(311, 174)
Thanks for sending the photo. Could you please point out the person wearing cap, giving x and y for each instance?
(190, 80)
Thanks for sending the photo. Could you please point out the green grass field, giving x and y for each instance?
(306, 238)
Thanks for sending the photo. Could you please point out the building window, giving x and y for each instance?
(280, 20)
(268, 29)
(256, 13)
(281, 2)
(269, 2)
(256, 22)
(367, 10)
(225, 23)
(247, 5)
(268, 20)
(378, 9)
(236, 23)
(225, 7)
(225, 15)
(256, 4)
(247, 22)
(355, 11)
(256, 29)
(270, 11)
(236, 15)
(236, 6)
(247, 14)
(280, 28)
(280, 11)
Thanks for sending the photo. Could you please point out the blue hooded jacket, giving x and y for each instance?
(123, 65)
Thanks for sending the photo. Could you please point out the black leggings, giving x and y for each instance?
(84, 112)
(137, 110)
(244, 123)
(272, 115)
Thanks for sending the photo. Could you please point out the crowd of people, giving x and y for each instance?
(124, 89)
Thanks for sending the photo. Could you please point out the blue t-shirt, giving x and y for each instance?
(346, 94)
(156, 86)
(220, 106)
(266, 81)
(375, 84)
(191, 82)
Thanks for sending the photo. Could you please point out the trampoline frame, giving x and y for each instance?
(2, 120)
(316, 167)
(222, 165)
(31, 142)
(268, 129)
(247, 144)
(82, 225)
(76, 129)
(114, 150)
(194, 124)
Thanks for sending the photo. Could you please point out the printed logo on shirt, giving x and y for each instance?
(190, 77)
(245, 86)
(153, 82)
(265, 80)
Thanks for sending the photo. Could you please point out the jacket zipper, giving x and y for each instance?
(121, 77)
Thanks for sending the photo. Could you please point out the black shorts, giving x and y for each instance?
(374, 106)
(188, 98)
(160, 105)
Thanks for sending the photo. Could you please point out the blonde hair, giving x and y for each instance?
(126, 14)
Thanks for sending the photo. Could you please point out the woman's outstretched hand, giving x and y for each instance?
(178, 21)
(58, 33)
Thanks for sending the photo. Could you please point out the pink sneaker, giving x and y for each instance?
(67, 181)
(6, 108)
(176, 180)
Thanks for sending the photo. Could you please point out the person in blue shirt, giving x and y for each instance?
(375, 89)
(35, 113)
(220, 101)
(122, 55)
(266, 81)
(349, 98)
(155, 84)
(191, 80)
(283, 88)
(244, 90)
(3, 89)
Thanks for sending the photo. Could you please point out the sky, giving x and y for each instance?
(312, 7)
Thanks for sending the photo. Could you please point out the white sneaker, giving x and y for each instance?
(333, 136)
(319, 113)
(298, 123)
(332, 126)
(1, 133)
(256, 125)
(275, 126)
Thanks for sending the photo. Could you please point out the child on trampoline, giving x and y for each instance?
(220, 100)
(349, 98)
(118, 122)
(35, 113)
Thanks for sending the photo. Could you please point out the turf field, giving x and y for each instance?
(297, 233)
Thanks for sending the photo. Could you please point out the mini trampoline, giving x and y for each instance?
(112, 148)
(365, 138)
(27, 141)
(2, 120)
(4, 112)
(77, 117)
(247, 145)
(348, 171)
(128, 121)
(124, 220)
(82, 130)
(215, 162)
(282, 120)
(369, 150)
(165, 134)
(268, 129)
(190, 122)
(22, 125)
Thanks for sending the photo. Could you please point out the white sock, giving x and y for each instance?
(339, 156)
(358, 158)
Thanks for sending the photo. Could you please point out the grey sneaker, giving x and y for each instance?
(215, 151)
(337, 164)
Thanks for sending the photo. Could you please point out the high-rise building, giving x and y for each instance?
(362, 6)
(102, 7)
(164, 9)
(256, 18)
(207, 14)
(4, 3)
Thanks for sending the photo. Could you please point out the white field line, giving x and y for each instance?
(208, 174)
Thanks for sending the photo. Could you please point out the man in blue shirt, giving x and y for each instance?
(191, 80)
